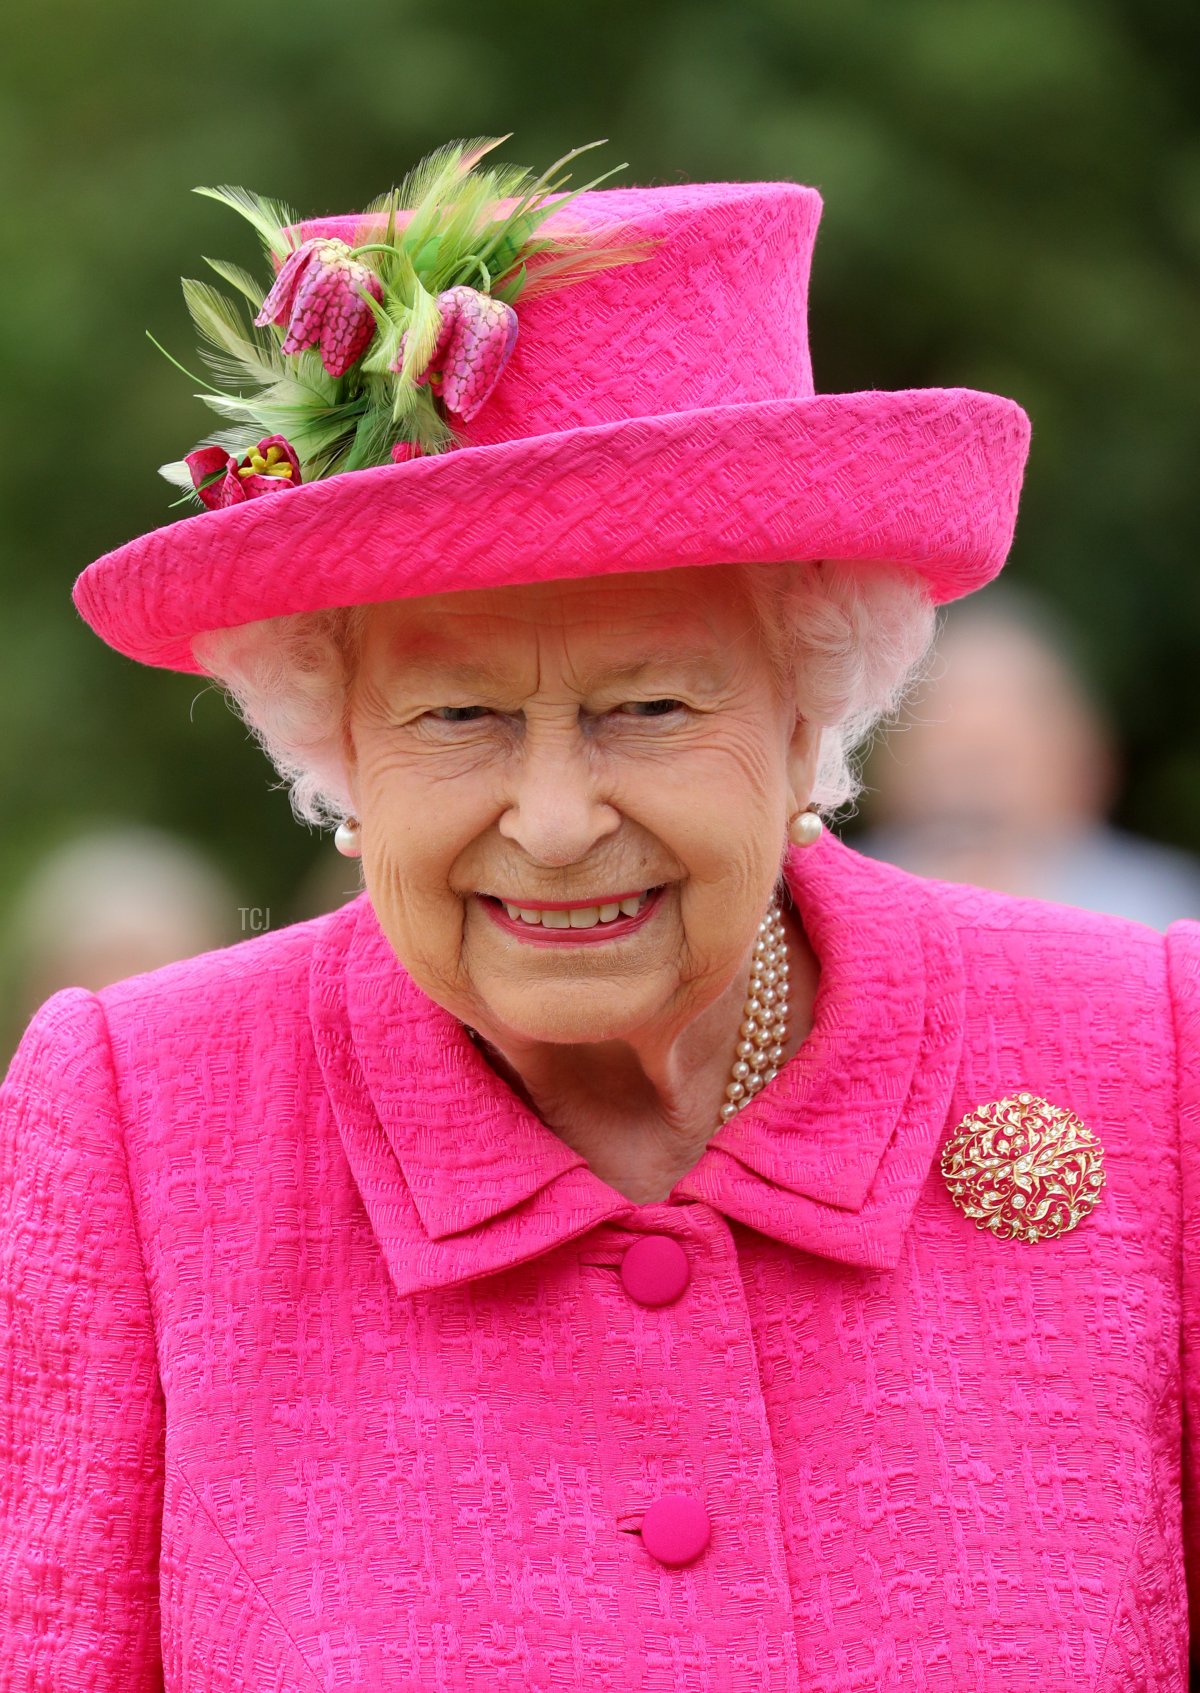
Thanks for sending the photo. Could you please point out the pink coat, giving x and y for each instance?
(327, 1365)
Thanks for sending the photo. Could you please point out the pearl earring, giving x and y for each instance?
(346, 838)
(806, 828)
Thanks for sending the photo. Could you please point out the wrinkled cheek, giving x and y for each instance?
(472, 937)
(483, 976)
(719, 920)
(427, 934)
(699, 926)
(734, 875)
(728, 846)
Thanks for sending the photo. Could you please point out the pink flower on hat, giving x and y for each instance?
(267, 468)
(471, 350)
(316, 295)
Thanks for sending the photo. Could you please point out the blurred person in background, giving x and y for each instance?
(1003, 768)
(111, 903)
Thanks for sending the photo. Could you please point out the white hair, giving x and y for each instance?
(848, 640)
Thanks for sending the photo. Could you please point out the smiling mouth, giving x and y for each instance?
(568, 916)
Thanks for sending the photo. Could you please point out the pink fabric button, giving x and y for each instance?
(676, 1529)
(655, 1270)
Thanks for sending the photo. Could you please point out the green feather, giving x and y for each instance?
(372, 441)
(242, 356)
(233, 405)
(424, 328)
(241, 280)
(567, 265)
(392, 317)
(269, 217)
(177, 474)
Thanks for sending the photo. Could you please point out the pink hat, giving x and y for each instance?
(657, 411)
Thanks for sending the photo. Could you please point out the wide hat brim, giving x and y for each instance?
(928, 478)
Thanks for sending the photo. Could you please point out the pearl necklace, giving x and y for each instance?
(764, 1016)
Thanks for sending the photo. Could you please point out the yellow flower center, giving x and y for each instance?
(273, 464)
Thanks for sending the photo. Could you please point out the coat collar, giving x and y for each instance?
(460, 1179)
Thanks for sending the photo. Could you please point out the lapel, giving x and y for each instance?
(460, 1179)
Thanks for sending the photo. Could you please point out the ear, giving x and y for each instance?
(804, 749)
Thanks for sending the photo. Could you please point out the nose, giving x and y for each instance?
(556, 811)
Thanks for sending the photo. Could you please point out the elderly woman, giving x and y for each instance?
(638, 1242)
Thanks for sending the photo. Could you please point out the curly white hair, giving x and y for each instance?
(850, 640)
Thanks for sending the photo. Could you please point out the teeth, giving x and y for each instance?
(584, 917)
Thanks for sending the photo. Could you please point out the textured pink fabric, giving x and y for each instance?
(655, 414)
(319, 1369)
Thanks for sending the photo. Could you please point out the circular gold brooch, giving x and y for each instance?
(1024, 1168)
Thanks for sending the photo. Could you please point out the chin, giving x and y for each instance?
(572, 1018)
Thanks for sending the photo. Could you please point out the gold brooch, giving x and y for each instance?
(1024, 1168)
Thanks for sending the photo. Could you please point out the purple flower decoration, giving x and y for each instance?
(316, 295)
(472, 348)
(268, 468)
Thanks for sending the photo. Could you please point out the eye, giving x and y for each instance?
(653, 708)
(455, 713)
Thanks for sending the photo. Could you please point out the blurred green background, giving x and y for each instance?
(1012, 198)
